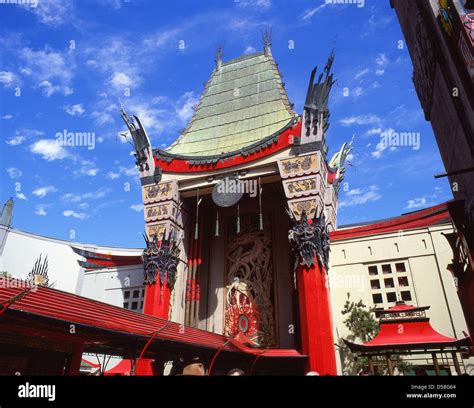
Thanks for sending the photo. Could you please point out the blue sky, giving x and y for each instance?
(64, 65)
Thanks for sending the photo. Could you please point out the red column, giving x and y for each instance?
(156, 303)
(75, 360)
(157, 299)
(315, 319)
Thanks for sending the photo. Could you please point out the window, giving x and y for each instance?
(406, 295)
(400, 267)
(373, 270)
(133, 299)
(394, 285)
(386, 269)
(403, 281)
(377, 298)
(375, 284)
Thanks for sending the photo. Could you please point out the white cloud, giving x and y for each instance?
(21, 196)
(257, 4)
(360, 196)
(381, 146)
(369, 119)
(86, 168)
(75, 110)
(40, 211)
(41, 192)
(93, 195)
(51, 70)
(15, 140)
(48, 89)
(379, 149)
(8, 78)
(374, 131)
(357, 92)
(123, 171)
(137, 207)
(382, 63)
(6, 117)
(51, 12)
(73, 214)
(250, 50)
(13, 172)
(121, 80)
(185, 110)
(415, 203)
(309, 13)
(361, 73)
(50, 149)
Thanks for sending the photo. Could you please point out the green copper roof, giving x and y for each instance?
(244, 101)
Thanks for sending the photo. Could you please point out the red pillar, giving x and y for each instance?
(315, 319)
(156, 303)
(74, 365)
(157, 299)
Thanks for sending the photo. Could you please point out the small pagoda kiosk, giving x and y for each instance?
(404, 330)
(220, 203)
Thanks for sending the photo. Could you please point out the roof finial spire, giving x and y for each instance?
(6, 215)
(219, 54)
(267, 41)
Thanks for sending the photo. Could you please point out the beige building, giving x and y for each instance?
(404, 258)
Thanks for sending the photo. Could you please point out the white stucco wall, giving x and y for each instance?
(427, 253)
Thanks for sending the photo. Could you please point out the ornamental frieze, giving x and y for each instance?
(160, 192)
(299, 166)
(310, 206)
(304, 186)
(167, 210)
(159, 229)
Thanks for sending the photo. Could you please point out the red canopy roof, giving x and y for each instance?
(423, 218)
(90, 316)
(406, 327)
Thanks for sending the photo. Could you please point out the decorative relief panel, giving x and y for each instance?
(250, 284)
(304, 186)
(166, 210)
(159, 229)
(299, 166)
(160, 192)
(310, 206)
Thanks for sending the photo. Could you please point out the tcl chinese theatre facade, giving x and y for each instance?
(238, 212)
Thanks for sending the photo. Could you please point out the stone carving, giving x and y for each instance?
(249, 304)
(309, 242)
(160, 258)
(167, 210)
(160, 192)
(308, 206)
(303, 186)
(298, 166)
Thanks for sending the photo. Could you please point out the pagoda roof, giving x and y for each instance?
(244, 103)
(406, 327)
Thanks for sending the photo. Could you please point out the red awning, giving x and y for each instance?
(112, 324)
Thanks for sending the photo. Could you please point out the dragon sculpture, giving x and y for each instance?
(309, 241)
(338, 160)
(161, 257)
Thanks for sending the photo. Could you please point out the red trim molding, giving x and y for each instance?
(286, 139)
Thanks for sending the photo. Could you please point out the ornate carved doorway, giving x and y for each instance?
(250, 297)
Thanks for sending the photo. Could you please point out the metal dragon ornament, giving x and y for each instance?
(38, 276)
(309, 240)
(161, 257)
